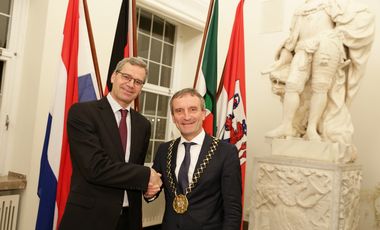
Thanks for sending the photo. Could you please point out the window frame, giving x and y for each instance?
(11, 81)
(157, 89)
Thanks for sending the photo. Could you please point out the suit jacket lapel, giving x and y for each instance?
(174, 160)
(205, 147)
(109, 120)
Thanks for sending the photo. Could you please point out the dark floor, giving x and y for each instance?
(158, 227)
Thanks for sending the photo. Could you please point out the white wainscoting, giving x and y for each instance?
(154, 211)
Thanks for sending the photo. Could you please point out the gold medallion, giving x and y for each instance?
(180, 204)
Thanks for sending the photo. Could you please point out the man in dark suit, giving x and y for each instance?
(108, 176)
(203, 192)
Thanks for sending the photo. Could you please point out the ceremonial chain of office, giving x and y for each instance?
(180, 202)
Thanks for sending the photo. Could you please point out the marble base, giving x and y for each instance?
(316, 150)
(294, 193)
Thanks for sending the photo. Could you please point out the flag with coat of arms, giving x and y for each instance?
(231, 103)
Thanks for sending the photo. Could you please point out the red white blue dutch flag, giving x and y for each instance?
(76, 82)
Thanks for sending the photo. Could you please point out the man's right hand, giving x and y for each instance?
(154, 185)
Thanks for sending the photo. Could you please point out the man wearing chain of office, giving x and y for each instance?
(201, 174)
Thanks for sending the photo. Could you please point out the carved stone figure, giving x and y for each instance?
(349, 202)
(377, 206)
(318, 69)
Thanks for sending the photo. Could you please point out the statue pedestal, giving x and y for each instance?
(299, 192)
(315, 150)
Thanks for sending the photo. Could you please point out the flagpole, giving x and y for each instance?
(203, 42)
(134, 38)
(93, 51)
(134, 28)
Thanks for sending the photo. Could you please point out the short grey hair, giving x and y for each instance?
(187, 91)
(133, 61)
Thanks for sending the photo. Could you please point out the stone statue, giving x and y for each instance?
(318, 69)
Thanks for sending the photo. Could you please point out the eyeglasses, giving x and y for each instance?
(127, 78)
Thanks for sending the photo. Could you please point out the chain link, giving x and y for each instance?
(199, 170)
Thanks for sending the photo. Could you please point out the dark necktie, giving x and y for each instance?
(183, 178)
(123, 128)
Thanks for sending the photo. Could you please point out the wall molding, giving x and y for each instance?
(192, 13)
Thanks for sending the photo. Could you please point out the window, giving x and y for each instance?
(5, 16)
(5, 9)
(156, 44)
(12, 34)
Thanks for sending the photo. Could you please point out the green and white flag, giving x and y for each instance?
(207, 76)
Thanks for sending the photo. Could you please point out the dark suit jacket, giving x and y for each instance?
(216, 201)
(100, 175)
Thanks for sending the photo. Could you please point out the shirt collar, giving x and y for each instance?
(197, 139)
(114, 105)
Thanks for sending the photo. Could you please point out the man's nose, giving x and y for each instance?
(187, 115)
(131, 83)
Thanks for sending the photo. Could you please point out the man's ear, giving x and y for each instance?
(113, 76)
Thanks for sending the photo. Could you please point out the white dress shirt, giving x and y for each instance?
(116, 110)
(195, 150)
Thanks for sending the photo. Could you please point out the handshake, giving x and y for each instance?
(154, 185)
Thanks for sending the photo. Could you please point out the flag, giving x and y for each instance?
(124, 42)
(76, 82)
(206, 83)
(232, 125)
